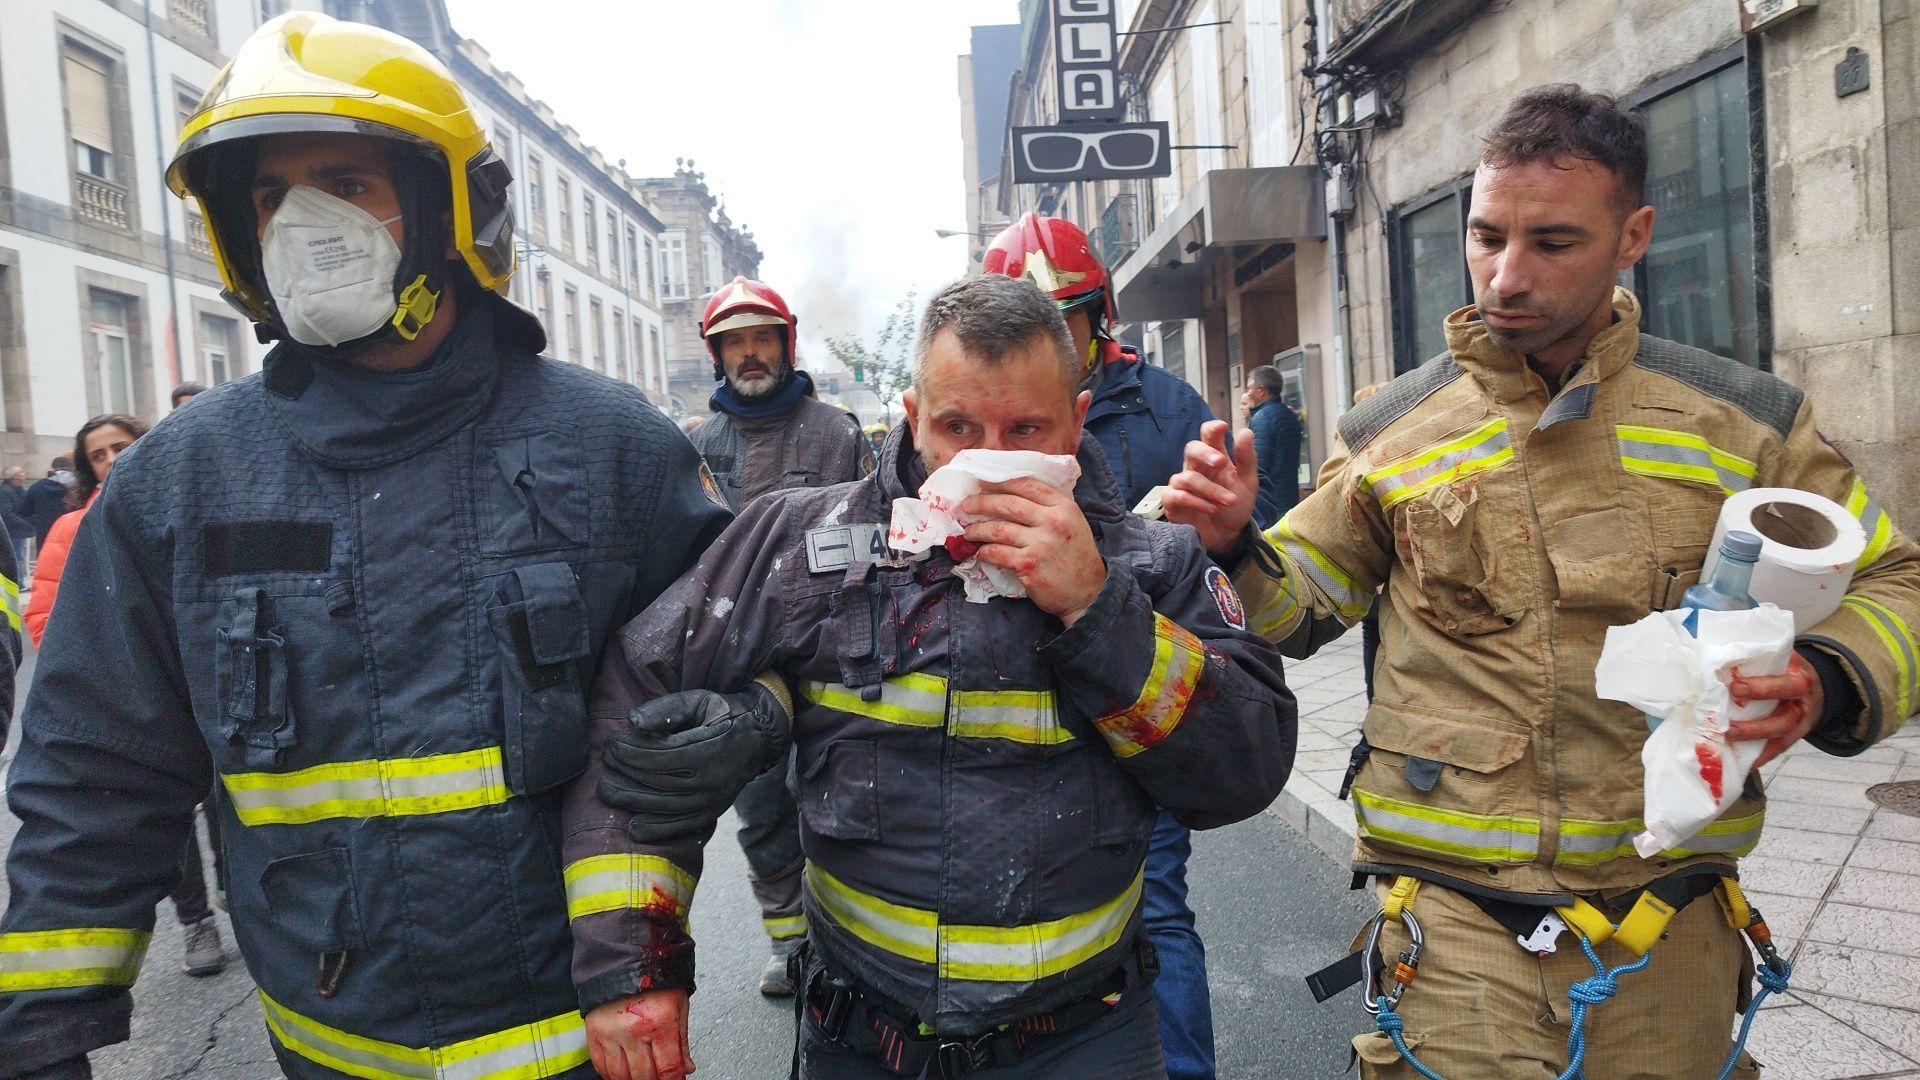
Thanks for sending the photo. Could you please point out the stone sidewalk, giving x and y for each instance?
(1837, 877)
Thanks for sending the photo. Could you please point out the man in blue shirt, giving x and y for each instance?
(1276, 442)
(1143, 416)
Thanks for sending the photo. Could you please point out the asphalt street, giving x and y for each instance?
(1271, 908)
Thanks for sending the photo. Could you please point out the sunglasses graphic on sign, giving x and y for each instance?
(1124, 150)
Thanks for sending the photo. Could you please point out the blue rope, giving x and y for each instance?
(1773, 978)
(1584, 995)
(1390, 1022)
(1590, 992)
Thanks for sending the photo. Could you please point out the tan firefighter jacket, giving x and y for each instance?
(1510, 528)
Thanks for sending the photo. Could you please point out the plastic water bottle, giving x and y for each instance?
(1726, 590)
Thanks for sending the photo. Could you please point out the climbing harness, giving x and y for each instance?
(1637, 932)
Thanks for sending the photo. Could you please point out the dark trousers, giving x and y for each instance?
(770, 838)
(1124, 1045)
(190, 895)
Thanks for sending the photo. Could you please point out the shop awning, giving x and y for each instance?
(1166, 277)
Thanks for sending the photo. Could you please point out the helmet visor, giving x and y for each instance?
(744, 319)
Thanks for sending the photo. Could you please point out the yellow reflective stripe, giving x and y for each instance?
(895, 928)
(975, 953)
(1177, 663)
(57, 959)
(10, 597)
(1587, 843)
(1899, 640)
(1347, 596)
(627, 881)
(1021, 954)
(1874, 522)
(1273, 602)
(1022, 716)
(1485, 447)
(1458, 834)
(912, 700)
(401, 787)
(1681, 455)
(529, 1052)
(792, 926)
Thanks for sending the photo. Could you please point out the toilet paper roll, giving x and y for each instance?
(1809, 545)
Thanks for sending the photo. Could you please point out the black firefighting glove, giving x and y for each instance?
(681, 760)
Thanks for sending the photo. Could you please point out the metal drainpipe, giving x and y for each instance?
(166, 218)
(1336, 249)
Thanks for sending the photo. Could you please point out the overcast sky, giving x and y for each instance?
(831, 127)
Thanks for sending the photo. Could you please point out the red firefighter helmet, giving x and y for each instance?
(1054, 255)
(744, 302)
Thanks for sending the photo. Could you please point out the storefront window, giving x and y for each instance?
(1432, 274)
(1697, 281)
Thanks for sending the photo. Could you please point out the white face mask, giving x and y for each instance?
(330, 266)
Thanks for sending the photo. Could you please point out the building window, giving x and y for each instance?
(220, 357)
(546, 306)
(710, 263)
(620, 342)
(1430, 271)
(613, 240)
(1697, 281)
(599, 313)
(646, 251)
(537, 195)
(563, 188)
(272, 9)
(673, 267)
(186, 102)
(593, 239)
(653, 349)
(573, 322)
(110, 350)
(99, 191)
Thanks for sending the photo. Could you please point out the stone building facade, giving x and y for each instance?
(700, 250)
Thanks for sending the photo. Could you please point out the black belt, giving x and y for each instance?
(862, 1022)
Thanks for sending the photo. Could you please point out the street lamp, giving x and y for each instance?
(980, 233)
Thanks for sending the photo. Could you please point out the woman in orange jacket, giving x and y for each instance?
(99, 442)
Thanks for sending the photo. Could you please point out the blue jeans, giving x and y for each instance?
(1186, 1010)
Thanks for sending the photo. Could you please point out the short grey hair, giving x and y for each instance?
(1266, 377)
(993, 316)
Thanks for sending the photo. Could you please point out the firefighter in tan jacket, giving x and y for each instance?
(1555, 473)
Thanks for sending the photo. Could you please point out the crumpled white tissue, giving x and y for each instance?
(927, 522)
(1692, 772)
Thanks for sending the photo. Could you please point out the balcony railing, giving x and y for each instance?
(192, 14)
(1119, 231)
(197, 234)
(100, 201)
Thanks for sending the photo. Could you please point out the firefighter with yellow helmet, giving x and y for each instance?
(361, 594)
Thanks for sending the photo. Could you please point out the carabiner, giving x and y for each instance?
(1408, 962)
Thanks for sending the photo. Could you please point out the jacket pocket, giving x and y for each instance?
(1457, 572)
(540, 624)
(312, 900)
(840, 791)
(1450, 761)
(533, 490)
(1595, 566)
(250, 677)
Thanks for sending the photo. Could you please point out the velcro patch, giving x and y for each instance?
(264, 547)
(1224, 598)
(836, 547)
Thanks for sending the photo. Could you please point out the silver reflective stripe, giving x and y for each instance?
(1587, 843)
(912, 700)
(528, 1052)
(1681, 455)
(1022, 716)
(1455, 834)
(56, 959)
(431, 784)
(622, 881)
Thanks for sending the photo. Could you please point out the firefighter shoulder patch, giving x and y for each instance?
(1226, 599)
(711, 486)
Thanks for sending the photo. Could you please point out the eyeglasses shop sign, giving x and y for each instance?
(1067, 152)
(1086, 52)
